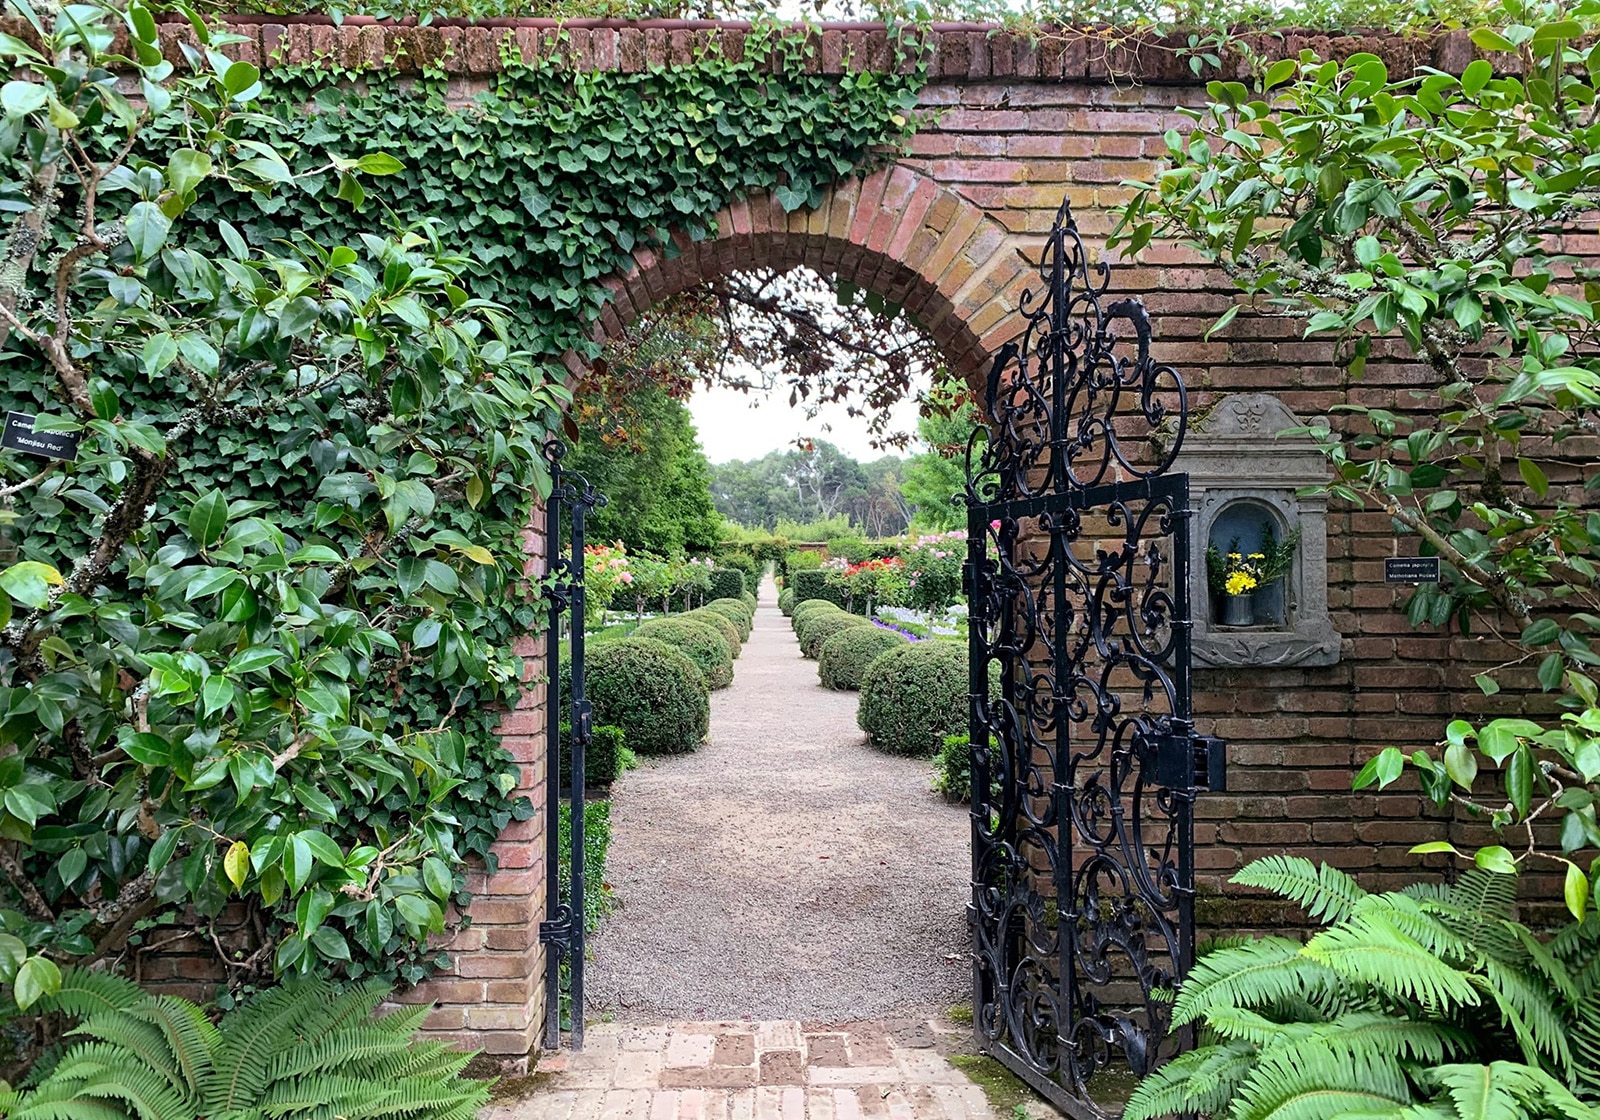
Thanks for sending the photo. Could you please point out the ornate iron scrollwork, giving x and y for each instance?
(1078, 582)
(571, 498)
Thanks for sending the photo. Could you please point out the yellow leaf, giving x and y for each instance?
(236, 864)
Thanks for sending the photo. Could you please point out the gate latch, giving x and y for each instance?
(583, 724)
(1183, 760)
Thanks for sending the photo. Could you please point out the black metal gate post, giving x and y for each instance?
(562, 931)
(1085, 761)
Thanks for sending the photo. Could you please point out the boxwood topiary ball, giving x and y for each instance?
(706, 646)
(719, 622)
(736, 613)
(820, 628)
(914, 696)
(786, 602)
(750, 601)
(846, 655)
(805, 608)
(651, 690)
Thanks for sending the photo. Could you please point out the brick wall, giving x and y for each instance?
(948, 229)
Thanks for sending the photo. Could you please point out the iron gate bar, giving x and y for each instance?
(562, 931)
(1068, 778)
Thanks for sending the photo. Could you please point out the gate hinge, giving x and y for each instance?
(1183, 760)
(558, 930)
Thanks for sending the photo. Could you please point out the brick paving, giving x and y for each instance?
(770, 1070)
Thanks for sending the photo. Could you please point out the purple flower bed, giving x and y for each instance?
(878, 622)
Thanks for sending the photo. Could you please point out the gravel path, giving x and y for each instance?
(786, 870)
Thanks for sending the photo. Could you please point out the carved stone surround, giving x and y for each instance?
(1234, 454)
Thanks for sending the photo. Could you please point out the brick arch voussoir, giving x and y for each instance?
(955, 269)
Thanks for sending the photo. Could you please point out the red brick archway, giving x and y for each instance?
(897, 232)
(1008, 128)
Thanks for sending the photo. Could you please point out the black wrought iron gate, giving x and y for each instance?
(568, 727)
(1085, 762)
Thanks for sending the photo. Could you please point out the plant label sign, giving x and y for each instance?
(1410, 569)
(20, 436)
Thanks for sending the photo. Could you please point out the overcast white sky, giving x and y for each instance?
(736, 425)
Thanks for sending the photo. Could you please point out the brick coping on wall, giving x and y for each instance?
(968, 52)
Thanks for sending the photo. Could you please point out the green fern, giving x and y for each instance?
(1324, 893)
(1384, 1011)
(300, 1052)
(1266, 970)
(1316, 1081)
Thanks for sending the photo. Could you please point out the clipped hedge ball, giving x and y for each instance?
(914, 696)
(808, 607)
(846, 655)
(786, 601)
(736, 613)
(822, 627)
(750, 601)
(651, 690)
(706, 646)
(719, 622)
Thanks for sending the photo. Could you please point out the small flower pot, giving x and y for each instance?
(1237, 610)
(1268, 603)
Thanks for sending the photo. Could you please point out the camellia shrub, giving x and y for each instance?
(915, 696)
(695, 637)
(736, 613)
(261, 624)
(819, 628)
(846, 655)
(654, 692)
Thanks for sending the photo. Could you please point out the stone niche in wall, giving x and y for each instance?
(1243, 479)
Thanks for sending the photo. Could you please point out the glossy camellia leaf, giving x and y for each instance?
(208, 518)
(29, 582)
(38, 977)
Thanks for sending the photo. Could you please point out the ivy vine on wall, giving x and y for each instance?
(551, 179)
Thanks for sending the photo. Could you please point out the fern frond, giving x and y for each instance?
(147, 1093)
(1323, 892)
(1484, 892)
(1526, 1008)
(1433, 932)
(1255, 975)
(1370, 950)
(1506, 1091)
(138, 1037)
(425, 1096)
(352, 1047)
(161, 1059)
(1247, 1026)
(85, 992)
(70, 1109)
(252, 1035)
(1316, 1082)
(190, 1036)
(1374, 1034)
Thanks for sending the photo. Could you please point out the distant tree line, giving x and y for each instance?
(881, 498)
